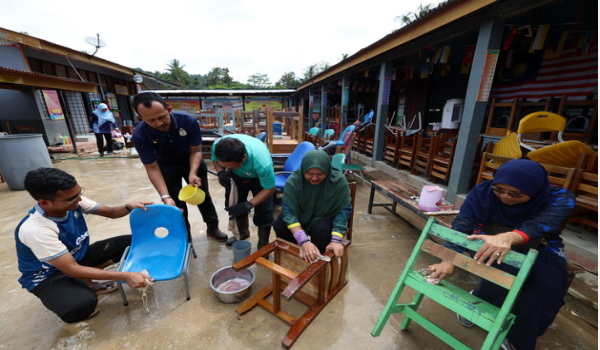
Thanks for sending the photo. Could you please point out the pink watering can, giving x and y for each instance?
(429, 198)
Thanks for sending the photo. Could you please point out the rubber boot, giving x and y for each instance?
(242, 224)
(263, 236)
(212, 230)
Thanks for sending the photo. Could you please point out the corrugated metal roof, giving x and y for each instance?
(42, 75)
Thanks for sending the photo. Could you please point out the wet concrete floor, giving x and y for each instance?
(381, 246)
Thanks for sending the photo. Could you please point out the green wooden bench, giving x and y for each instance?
(496, 321)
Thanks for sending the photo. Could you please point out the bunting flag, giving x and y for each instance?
(540, 38)
(424, 71)
(467, 59)
(555, 49)
(511, 37)
(436, 56)
(590, 41)
(536, 76)
(465, 68)
(445, 70)
(445, 54)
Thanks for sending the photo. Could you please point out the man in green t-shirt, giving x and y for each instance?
(246, 161)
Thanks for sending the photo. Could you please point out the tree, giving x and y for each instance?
(315, 69)
(259, 81)
(410, 17)
(178, 75)
(218, 77)
(288, 80)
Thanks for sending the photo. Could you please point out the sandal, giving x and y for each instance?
(104, 288)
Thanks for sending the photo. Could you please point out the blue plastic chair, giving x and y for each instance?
(345, 135)
(292, 164)
(368, 118)
(314, 131)
(159, 245)
(262, 136)
(328, 133)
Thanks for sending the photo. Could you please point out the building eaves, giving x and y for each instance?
(17, 77)
(442, 15)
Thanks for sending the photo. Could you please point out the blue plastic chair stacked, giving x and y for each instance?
(291, 164)
(159, 245)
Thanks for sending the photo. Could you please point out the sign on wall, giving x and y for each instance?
(53, 104)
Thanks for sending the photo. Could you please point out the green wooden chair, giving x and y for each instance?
(497, 321)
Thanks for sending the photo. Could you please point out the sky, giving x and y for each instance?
(246, 36)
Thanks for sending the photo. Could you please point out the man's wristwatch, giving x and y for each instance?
(249, 205)
(165, 196)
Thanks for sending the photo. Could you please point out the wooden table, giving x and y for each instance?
(401, 193)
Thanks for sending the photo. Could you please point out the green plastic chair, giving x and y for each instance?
(338, 161)
(496, 321)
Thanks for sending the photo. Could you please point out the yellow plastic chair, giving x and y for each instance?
(565, 154)
(508, 146)
(541, 122)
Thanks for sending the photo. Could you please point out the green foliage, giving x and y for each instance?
(259, 81)
(178, 75)
(287, 81)
(218, 77)
(315, 69)
(410, 17)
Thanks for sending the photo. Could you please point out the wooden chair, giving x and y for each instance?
(407, 150)
(557, 175)
(315, 285)
(496, 321)
(443, 157)
(489, 163)
(425, 149)
(501, 117)
(584, 110)
(585, 187)
(560, 176)
(208, 119)
(390, 149)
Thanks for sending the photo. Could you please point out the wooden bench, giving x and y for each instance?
(404, 195)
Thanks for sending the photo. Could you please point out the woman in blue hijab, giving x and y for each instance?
(518, 210)
(102, 122)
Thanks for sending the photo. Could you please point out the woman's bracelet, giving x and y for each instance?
(518, 238)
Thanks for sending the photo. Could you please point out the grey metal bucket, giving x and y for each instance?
(20, 154)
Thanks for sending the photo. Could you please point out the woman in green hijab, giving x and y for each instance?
(315, 207)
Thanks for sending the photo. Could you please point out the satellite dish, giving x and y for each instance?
(95, 42)
(138, 78)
